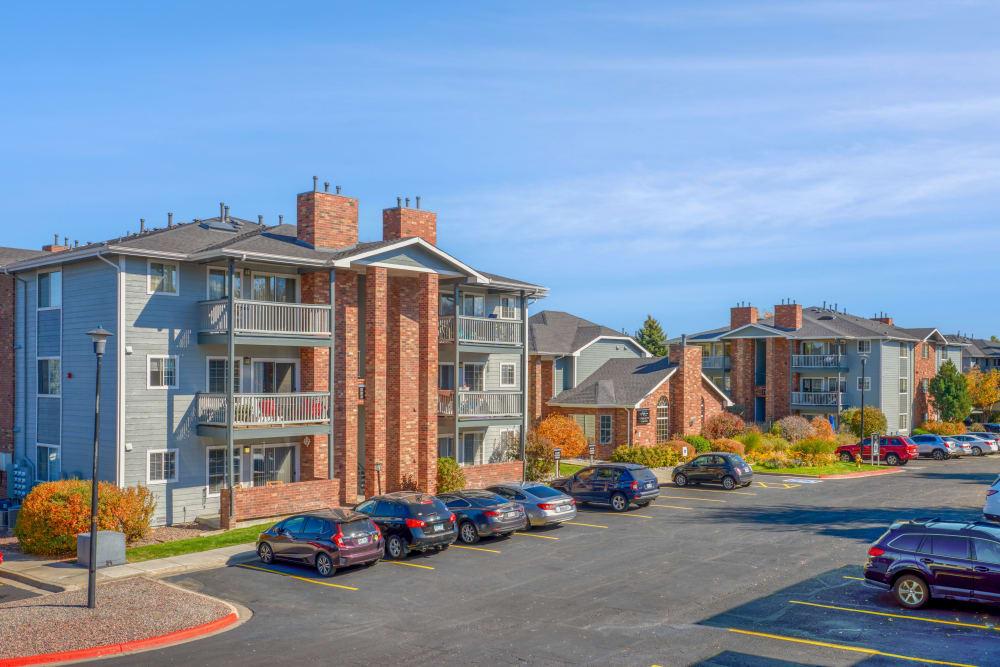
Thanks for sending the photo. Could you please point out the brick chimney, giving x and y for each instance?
(326, 219)
(55, 246)
(788, 316)
(685, 390)
(884, 319)
(741, 315)
(403, 221)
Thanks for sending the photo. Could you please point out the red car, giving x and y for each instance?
(894, 450)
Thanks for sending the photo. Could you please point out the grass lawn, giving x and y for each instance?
(567, 469)
(192, 545)
(838, 468)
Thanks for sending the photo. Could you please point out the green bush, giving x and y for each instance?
(776, 443)
(920, 431)
(751, 440)
(875, 421)
(699, 442)
(657, 456)
(976, 427)
(450, 476)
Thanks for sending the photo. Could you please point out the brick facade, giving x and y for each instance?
(536, 402)
(788, 316)
(345, 388)
(427, 379)
(923, 369)
(376, 353)
(327, 220)
(403, 222)
(265, 501)
(742, 360)
(476, 477)
(314, 372)
(777, 399)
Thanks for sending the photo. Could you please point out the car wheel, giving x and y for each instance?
(846, 457)
(467, 532)
(680, 479)
(265, 553)
(938, 455)
(892, 459)
(395, 547)
(325, 566)
(619, 502)
(976, 451)
(728, 483)
(911, 591)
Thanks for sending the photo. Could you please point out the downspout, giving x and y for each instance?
(230, 380)
(329, 443)
(24, 385)
(120, 384)
(524, 385)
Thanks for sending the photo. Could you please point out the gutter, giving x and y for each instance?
(24, 353)
(120, 384)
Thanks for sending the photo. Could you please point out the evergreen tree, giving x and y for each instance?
(652, 338)
(950, 392)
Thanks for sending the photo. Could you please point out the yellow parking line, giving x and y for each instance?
(588, 525)
(293, 576)
(673, 507)
(742, 493)
(854, 578)
(856, 649)
(459, 546)
(703, 500)
(882, 613)
(399, 562)
(783, 486)
(541, 537)
(637, 516)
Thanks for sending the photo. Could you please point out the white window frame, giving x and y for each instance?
(260, 448)
(513, 367)
(38, 290)
(867, 382)
(452, 452)
(208, 480)
(925, 351)
(177, 370)
(37, 393)
(177, 465)
(149, 277)
(600, 429)
(237, 363)
(465, 364)
(904, 421)
(512, 307)
(58, 449)
(864, 347)
(477, 454)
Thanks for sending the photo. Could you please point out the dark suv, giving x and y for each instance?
(483, 513)
(614, 484)
(729, 470)
(929, 558)
(410, 521)
(327, 540)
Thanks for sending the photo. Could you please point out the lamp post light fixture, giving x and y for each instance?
(864, 363)
(100, 337)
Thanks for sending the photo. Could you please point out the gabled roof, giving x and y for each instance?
(10, 255)
(975, 347)
(557, 333)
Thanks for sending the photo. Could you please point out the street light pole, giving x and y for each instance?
(100, 338)
(861, 448)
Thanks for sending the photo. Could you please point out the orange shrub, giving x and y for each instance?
(726, 445)
(944, 428)
(723, 425)
(679, 446)
(564, 433)
(822, 429)
(54, 513)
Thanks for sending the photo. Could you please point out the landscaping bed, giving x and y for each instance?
(838, 468)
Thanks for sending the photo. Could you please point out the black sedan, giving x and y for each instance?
(729, 470)
(482, 513)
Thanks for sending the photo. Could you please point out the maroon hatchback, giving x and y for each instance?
(326, 540)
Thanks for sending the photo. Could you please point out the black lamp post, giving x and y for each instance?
(100, 338)
(861, 446)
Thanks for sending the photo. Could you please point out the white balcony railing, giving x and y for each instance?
(827, 398)
(819, 361)
(265, 409)
(480, 330)
(715, 362)
(481, 403)
(266, 317)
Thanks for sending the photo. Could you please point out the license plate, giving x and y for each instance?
(510, 515)
(363, 540)
(562, 508)
(649, 485)
(438, 527)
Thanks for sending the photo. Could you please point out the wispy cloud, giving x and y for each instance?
(935, 114)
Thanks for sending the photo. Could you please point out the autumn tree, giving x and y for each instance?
(984, 390)
(563, 433)
(652, 337)
(950, 392)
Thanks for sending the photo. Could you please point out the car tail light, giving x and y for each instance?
(875, 552)
(339, 537)
(546, 506)
(572, 501)
(378, 531)
(491, 513)
(635, 486)
(452, 518)
(991, 492)
(415, 523)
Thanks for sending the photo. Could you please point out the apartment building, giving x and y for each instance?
(808, 362)
(977, 352)
(241, 351)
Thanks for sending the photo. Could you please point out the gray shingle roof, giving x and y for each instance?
(8, 255)
(556, 332)
(975, 347)
(618, 382)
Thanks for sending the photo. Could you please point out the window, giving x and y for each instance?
(925, 385)
(864, 384)
(47, 463)
(507, 309)
(217, 372)
(903, 385)
(605, 429)
(275, 377)
(49, 377)
(161, 466)
(586, 422)
(472, 377)
(904, 351)
(473, 305)
(217, 469)
(162, 278)
(585, 474)
(446, 305)
(507, 375)
(946, 546)
(987, 551)
(446, 377)
(904, 422)
(218, 282)
(944, 354)
(294, 525)
(162, 372)
(925, 351)
(909, 542)
(274, 288)
(50, 290)
(315, 526)
(472, 448)
(864, 347)
(662, 420)
(446, 447)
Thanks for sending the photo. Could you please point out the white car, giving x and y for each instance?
(991, 511)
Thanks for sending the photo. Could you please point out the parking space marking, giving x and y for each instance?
(541, 537)
(776, 485)
(634, 516)
(399, 562)
(854, 578)
(742, 493)
(883, 613)
(294, 576)
(673, 507)
(588, 525)
(703, 500)
(459, 546)
(842, 647)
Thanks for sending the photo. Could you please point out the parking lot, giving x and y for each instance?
(702, 576)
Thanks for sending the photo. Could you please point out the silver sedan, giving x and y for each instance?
(543, 505)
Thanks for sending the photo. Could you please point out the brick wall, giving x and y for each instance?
(266, 501)
(742, 375)
(327, 220)
(427, 374)
(741, 315)
(923, 369)
(345, 389)
(685, 390)
(536, 404)
(476, 477)
(7, 296)
(788, 316)
(402, 382)
(402, 222)
(547, 381)
(376, 354)
(777, 400)
(314, 372)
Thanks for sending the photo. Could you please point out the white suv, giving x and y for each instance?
(991, 511)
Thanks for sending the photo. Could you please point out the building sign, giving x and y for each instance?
(642, 416)
(558, 453)
(591, 448)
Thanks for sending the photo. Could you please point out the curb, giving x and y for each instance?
(31, 581)
(126, 647)
(846, 475)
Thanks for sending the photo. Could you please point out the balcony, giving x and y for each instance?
(821, 361)
(481, 404)
(480, 330)
(265, 415)
(715, 363)
(828, 399)
(265, 322)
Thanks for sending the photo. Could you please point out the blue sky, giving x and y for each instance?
(664, 158)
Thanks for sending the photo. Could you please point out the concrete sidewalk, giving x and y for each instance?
(60, 575)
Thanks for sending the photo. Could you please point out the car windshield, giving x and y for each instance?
(543, 491)
(736, 459)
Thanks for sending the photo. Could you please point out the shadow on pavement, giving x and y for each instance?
(737, 659)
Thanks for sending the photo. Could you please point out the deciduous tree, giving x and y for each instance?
(950, 393)
(564, 433)
(984, 390)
